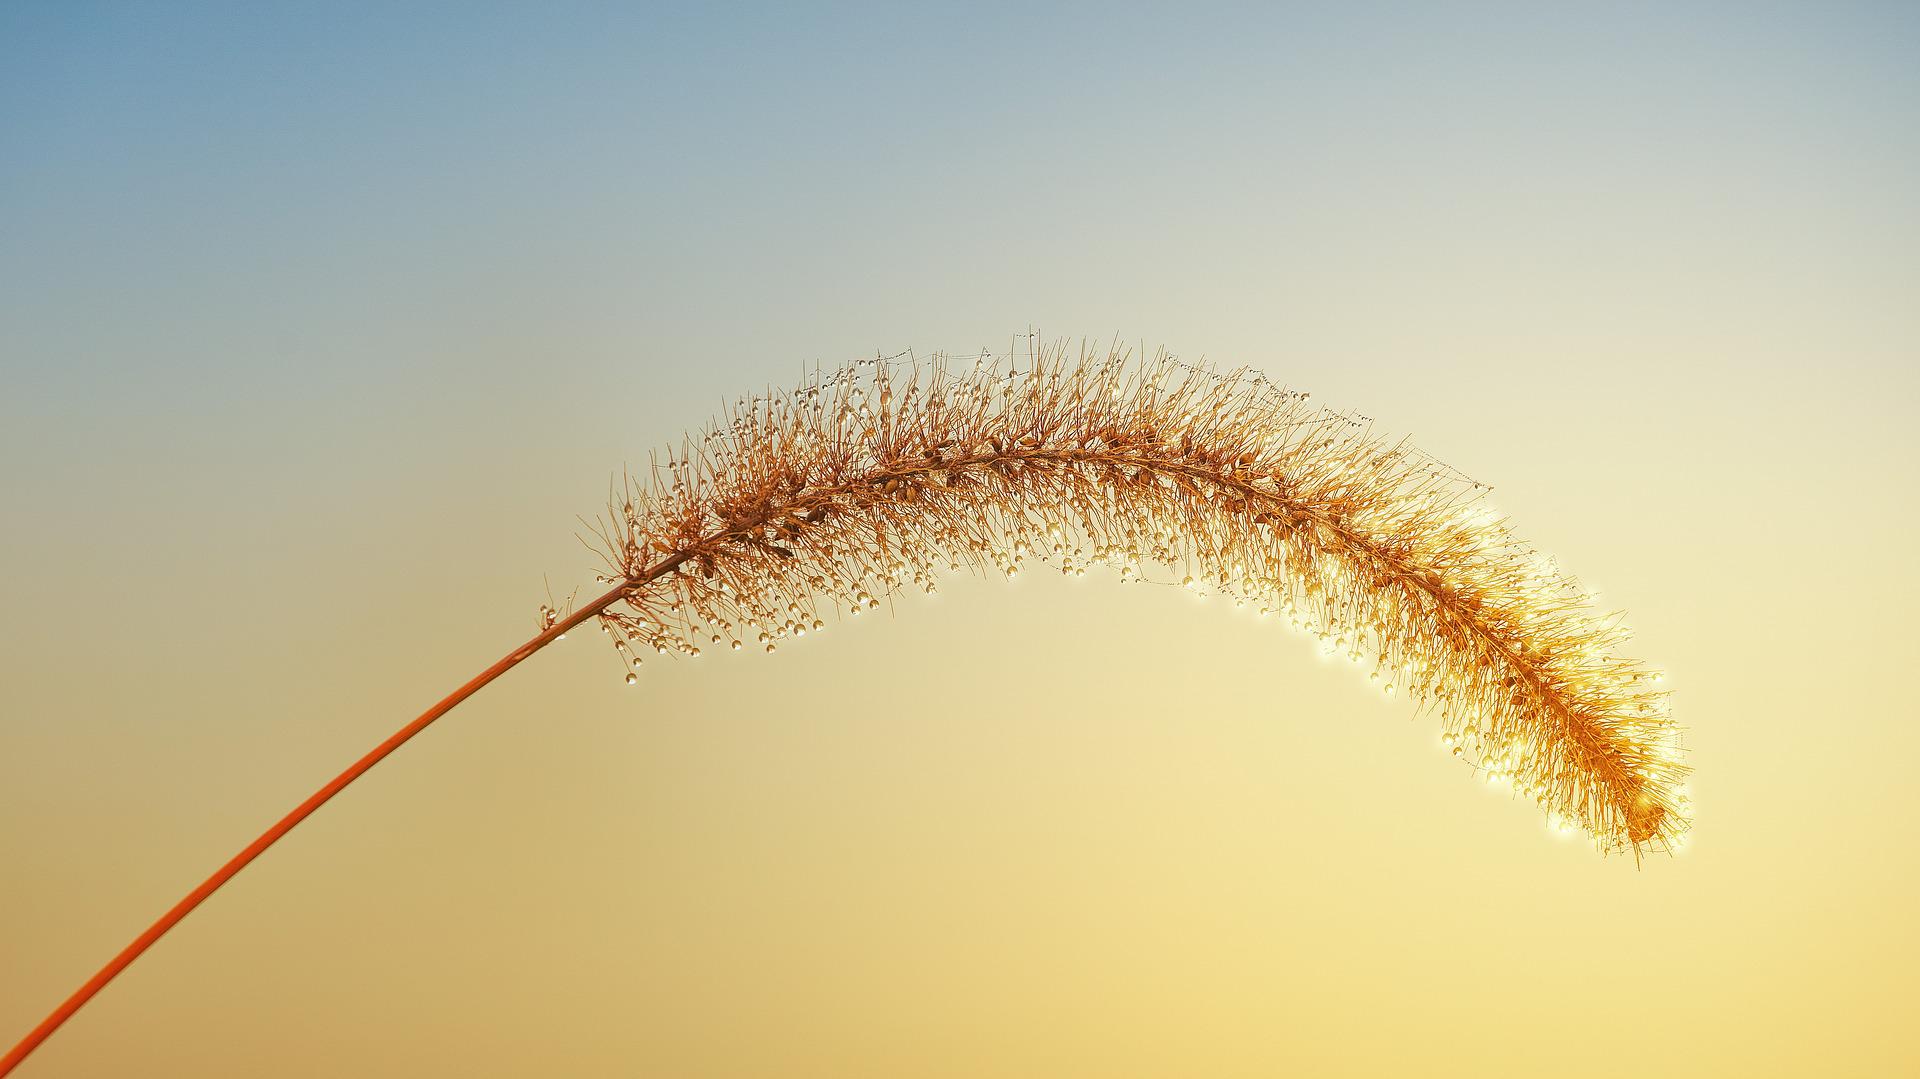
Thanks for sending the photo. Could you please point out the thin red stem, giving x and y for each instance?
(286, 824)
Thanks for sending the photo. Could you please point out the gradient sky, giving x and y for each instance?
(319, 325)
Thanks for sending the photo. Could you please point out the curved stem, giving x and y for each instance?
(286, 824)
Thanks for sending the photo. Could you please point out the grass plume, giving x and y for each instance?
(879, 477)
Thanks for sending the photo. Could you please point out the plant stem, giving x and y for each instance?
(300, 812)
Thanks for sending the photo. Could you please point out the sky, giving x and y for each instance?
(321, 325)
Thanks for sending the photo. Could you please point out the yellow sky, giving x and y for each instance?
(319, 332)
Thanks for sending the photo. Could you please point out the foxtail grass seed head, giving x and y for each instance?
(869, 481)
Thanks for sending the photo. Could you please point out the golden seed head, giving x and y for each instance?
(871, 478)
